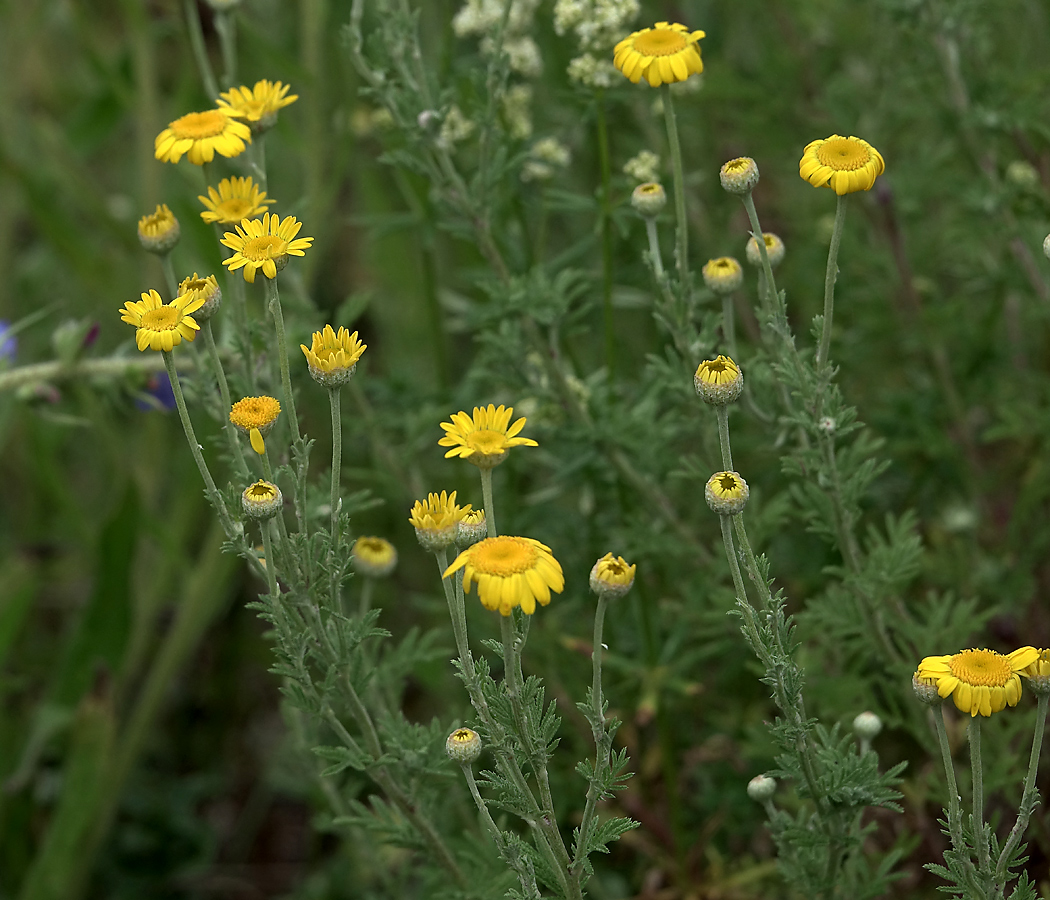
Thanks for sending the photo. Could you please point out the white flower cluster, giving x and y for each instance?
(597, 25)
(517, 111)
(483, 17)
(544, 156)
(455, 128)
(644, 167)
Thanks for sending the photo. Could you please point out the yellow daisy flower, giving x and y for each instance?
(159, 231)
(436, 520)
(236, 199)
(200, 135)
(374, 556)
(264, 244)
(612, 576)
(162, 326)
(208, 289)
(332, 358)
(255, 417)
(484, 439)
(979, 681)
(258, 105)
(663, 54)
(509, 572)
(261, 500)
(718, 381)
(844, 164)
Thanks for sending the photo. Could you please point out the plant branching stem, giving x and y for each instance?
(273, 302)
(977, 770)
(224, 393)
(682, 223)
(1029, 797)
(830, 276)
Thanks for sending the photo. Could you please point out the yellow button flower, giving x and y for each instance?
(726, 493)
(162, 326)
(663, 54)
(436, 520)
(257, 105)
(485, 438)
(265, 244)
(255, 417)
(333, 357)
(200, 135)
(723, 275)
(510, 572)
(612, 576)
(159, 231)
(718, 381)
(979, 681)
(843, 164)
(374, 556)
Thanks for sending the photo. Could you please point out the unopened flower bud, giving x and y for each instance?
(374, 557)
(649, 199)
(774, 250)
(1039, 674)
(1046, 246)
(612, 576)
(718, 381)
(473, 527)
(463, 745)
(208, 288)
(925, 689)
(262, 500)
(726, 493)
(761, 788)
(723, 275)
(867, 726)
(159, 231)
(739, 176)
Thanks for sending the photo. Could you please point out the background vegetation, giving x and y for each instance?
(135, 703)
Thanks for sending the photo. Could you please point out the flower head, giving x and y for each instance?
(208, 289)
(979, 681)
(663, 54)
(261, 500)
(723, 275)
(510, 572)
(612, 576)
(726, 493)
(159, 231)
(739, 176)
(774, 250)
(332, 357)
(925, 689)
(236, 199)
(1038, 673)
(843, 164)
(436, 519)
(162, 326)
(200, 135)
(718, 381)
(649, 199)
(484, 439)
(265, 244)
(374, 556)
(463, 745)
(257, 105)
(255, 417)
(472, 528)
(761, 788)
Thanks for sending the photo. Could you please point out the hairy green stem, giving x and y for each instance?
(729, 325)
(682, 229)
(759, 236)
(273, 302)
(830, 276)
(458, 614)
(200, 52)
(954, 811)
(224, 393)
(722, 414)
(226, 27)
(364, 603)
(214, 497)
(654, 248)
(271, 562)
(170, 281)
(337, 462)
(1028, 797)
(977, 769)
(486, 497)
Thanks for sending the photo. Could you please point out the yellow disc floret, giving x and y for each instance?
(510, 572)
(255, 417)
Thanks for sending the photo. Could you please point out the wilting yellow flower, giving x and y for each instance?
(509, 572)
(261, 500)
(726, 493)
(255, 417)
(258, 105)
(774, 250)
(665, 53)
(206, 288)
(200, 135)
(718, 381)
(843, 164)
(979, 681)
(264, 244)
(436, 519)
(374, 556)
(484, 439)
(333, 357)
(612, 576)
(236, 199)
(162, 326)
(159, 231)
(723, 275)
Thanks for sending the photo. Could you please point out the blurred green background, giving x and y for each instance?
(136, 709)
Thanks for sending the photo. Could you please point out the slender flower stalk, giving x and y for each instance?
(486, 497)
(654, 249)
(954, 810)
(607, 255)
(226, 28)
(830, 276)
(1028, 797)
(271, 562)
(337, 461)
(273, 302)
(977, 768)
(722, 412)
(200, 52)
(170, 281)
(682, 230)
(195, 448)
(729, 325)
(224, 393)
(756, 232)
